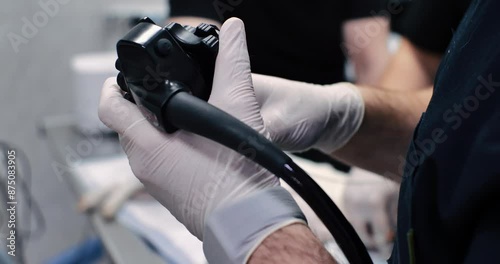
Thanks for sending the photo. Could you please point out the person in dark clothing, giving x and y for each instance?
(449, 204)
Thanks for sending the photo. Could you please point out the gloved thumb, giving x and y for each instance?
(232, 87)
(115, 111)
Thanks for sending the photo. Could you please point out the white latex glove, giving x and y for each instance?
(300, 116)
(190, 175)
(368, 200)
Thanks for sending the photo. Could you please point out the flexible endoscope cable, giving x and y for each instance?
(194, 115)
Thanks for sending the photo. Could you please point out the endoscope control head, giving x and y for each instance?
(155, 63)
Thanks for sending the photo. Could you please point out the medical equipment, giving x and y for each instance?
(15, 189)
(168, 73)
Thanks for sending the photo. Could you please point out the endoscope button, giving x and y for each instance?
(172, 25)
(190, 28)
(163, 47)
(147, 20)
(204, 30)
(210, 41)
(117, 65)
(120, 79)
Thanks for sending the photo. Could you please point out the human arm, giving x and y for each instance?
(392, 114)
(382, 140)
(365, 45)
(410, 68)
(291, 244)
(426, 29)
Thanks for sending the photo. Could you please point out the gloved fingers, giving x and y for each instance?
(125, 118)
(276, 90)
(264, 87)
(274, 93)
(118, 197)
(115, 111)
(232, 88)
(232, 67)
(273, 102)
(289, 110)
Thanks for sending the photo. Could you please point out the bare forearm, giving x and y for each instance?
(381, 143)
(292, 244)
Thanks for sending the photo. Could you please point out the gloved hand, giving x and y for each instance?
(369, 202)
(300, 116)
(190, 175)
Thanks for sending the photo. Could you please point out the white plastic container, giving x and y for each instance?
(89, 73)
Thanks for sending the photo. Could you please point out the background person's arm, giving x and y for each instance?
(426, 29)
(365, 42)
(391, 116)
(410, 68)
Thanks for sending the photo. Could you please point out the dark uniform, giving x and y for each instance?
(449, 207)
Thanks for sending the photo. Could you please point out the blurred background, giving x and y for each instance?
(36, 81)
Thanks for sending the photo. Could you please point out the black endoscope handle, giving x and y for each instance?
(192, 114)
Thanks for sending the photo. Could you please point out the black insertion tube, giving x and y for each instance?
(192, 114)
